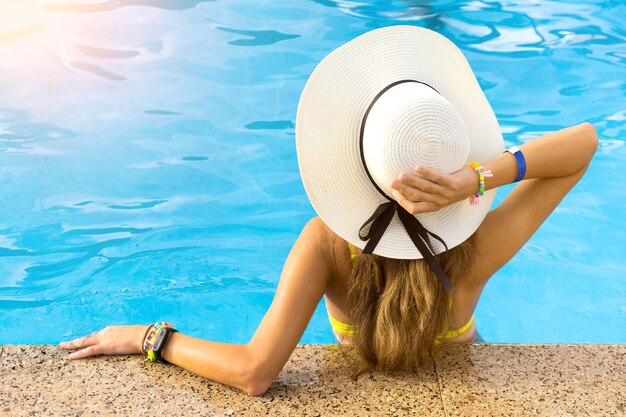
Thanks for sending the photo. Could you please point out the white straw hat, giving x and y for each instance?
(409, 95)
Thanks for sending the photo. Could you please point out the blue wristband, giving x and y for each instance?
(521, 162)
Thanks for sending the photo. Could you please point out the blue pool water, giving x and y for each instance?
(148, 165)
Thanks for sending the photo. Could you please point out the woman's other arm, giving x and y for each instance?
(557, 154)
(554, 155)
(555, 162)
(254, 366)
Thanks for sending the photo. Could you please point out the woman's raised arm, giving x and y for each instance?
(555, 162)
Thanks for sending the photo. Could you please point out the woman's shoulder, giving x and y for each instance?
(322, 236)
(320, 231)
(332, 248)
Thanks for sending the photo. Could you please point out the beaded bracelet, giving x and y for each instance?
(148, 342)
(143, 338)
(481, 178)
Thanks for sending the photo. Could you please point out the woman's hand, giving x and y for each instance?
(428, 190)
(112, 340)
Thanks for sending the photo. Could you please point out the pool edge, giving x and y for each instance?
(462, 379)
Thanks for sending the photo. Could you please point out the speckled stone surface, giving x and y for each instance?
(463, 380)
(533, 380)
(37, 380)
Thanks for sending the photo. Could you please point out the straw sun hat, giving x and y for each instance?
(377, 106)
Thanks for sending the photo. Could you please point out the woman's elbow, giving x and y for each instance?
(257, 380)
(257, 384)
(256, 388)
(590, 136)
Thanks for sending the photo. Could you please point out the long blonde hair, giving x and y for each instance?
(400, 307)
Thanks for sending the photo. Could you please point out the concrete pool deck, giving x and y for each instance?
(460, 380)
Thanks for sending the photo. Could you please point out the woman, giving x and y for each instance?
(390, 130)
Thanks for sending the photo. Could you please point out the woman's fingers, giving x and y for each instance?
(79, 343)
(435, 176)
(112, 340)
(88, 345)
(427, 190)
(424, 184)
(412, 193)
(412, 206)
(88, 351)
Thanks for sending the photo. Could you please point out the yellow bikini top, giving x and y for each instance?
(353, 254)
(349, 330)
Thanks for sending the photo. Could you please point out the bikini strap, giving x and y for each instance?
(353, 254)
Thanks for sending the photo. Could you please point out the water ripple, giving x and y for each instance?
(102, 53)
(257, 37)
(96, 70)
(110, 5)
(137, 205)
(18, 34)
(270, 124)
(161, 112)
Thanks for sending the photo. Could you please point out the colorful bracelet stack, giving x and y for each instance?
(148, 346)
(474, 200)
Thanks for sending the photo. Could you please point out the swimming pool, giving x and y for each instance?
(149, 168)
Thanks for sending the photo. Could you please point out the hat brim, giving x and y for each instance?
(328, 123)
